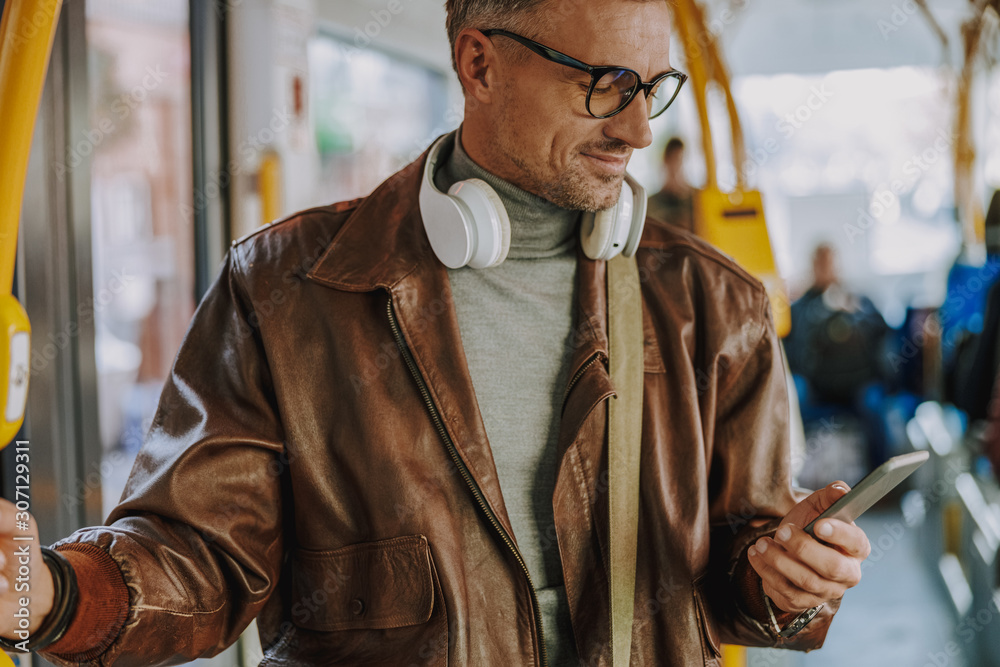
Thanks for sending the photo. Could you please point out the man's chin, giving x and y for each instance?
(605, 194)
(588, 192)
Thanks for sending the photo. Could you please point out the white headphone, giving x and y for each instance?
(468, 225)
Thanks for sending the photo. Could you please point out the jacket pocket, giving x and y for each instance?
(376, 603)
(709, 640)
(369, 586)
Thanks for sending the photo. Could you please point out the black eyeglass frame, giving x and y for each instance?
(596, 72)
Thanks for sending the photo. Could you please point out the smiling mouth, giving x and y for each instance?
(615, 163)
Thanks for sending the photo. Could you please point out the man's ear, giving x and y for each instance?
(476, 60)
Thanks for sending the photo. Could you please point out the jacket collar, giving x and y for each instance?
(382, 241)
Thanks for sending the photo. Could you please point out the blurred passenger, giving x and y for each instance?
(991, 437)
(674, 203)
(975, 380)
(973, 391)
(836, 335)
(834, 349)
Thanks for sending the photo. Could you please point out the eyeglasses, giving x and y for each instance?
(611, 88)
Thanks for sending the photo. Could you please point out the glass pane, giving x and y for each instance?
(143, 249)
(361, 135)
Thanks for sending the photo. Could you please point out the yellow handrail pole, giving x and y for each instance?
(970, 212)
(721, 76)
(685, 11)
(696, 36)
(27, 31)
(26, 34)
(269, 186)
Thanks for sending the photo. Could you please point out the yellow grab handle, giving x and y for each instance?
(734, 223)
(15, 353)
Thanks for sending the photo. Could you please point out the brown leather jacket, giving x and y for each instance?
(318, 461)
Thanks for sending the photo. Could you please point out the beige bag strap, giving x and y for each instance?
(625, 339)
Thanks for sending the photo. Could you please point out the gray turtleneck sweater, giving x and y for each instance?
(515, 320)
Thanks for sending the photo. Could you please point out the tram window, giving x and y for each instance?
(362, 138)
(143, 247)
(826, 149)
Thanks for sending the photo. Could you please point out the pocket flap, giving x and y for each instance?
(373, 585)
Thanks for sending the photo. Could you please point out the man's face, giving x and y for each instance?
(542, 132)
(824, 268)
(674, 162)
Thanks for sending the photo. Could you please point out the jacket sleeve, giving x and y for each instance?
(197, 536)
(752, 491)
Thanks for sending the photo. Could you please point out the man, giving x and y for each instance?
(390, 463)
(835, 351)
(674, 203)
(836, 334)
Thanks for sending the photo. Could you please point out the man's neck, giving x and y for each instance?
(539, 228)
(676, 185)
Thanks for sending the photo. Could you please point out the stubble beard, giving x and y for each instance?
(574, 188)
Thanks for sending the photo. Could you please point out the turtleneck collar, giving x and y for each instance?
(538, 228)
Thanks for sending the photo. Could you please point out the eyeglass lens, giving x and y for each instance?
(613, 91)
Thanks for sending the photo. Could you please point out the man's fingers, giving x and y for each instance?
(830, 494)
(828, 562)
(815, 503)
(845, 536)
(800, 573)
(837, 489)
(784, 592)
(7, 510)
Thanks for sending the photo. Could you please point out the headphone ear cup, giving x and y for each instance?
(448, 224)
(491, 237)
(605, 233)
(638, 222)
(447, 220)
(595, 234)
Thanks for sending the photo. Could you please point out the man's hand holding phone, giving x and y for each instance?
(799, 571)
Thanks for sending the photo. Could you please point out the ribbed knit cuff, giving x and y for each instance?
(102, 608)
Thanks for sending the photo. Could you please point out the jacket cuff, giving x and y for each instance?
(102, 608)
(748, 584)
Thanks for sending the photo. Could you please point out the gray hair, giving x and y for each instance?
(512, 15)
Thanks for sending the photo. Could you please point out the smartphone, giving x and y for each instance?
(868, 491)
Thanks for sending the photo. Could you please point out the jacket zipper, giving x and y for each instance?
(595, 358)
(466, 475)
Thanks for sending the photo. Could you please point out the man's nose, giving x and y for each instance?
(632, 124)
